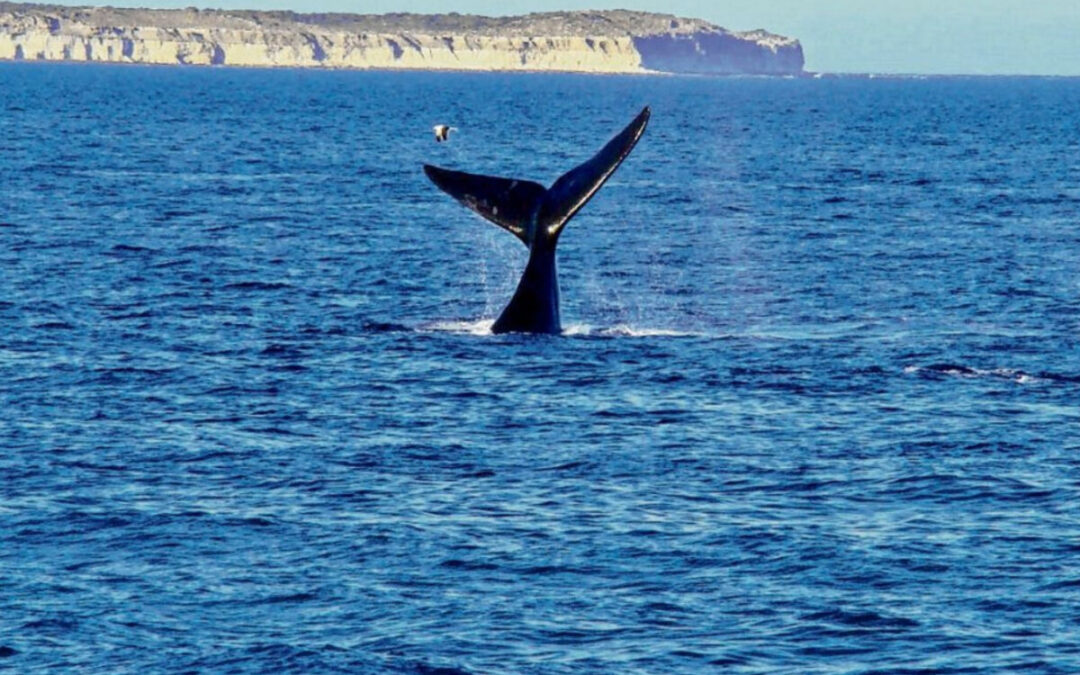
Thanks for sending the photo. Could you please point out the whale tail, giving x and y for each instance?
(537, 216)
(506, 202)
(526, 209)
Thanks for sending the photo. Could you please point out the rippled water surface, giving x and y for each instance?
(815, 409)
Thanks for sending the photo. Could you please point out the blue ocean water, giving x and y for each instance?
(815, 410)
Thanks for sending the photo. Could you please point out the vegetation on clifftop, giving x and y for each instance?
(581, 23)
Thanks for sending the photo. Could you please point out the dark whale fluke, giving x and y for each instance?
(537, 216)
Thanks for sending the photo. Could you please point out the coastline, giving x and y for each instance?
(615, 42)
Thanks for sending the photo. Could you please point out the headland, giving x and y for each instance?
(616, 41)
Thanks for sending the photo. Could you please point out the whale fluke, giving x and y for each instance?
(506, 202)
(576, 187)
(537, 216)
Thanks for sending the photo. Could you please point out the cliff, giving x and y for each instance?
(600, 42)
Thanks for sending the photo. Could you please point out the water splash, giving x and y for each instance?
(482, 327)
(475, 327)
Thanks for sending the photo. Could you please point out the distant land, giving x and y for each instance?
(615, 41)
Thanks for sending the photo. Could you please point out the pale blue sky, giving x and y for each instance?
(906, 36)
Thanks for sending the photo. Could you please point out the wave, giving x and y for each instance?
(957, 370)
(257, 286)
(626, 330)
(188, 176)
(384, 327)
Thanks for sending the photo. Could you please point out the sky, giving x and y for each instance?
(985, 37)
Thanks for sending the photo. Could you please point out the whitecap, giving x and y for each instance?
(1013, 374)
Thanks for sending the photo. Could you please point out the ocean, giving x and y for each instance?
(815, 408)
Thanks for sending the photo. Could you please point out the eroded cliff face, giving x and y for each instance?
(598, 42)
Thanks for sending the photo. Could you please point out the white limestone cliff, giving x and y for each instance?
(596, 42)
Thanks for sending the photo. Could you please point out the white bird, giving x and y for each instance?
(442, 132)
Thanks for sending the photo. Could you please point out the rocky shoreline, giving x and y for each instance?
(596, 42)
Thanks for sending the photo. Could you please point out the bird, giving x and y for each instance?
(442, 132)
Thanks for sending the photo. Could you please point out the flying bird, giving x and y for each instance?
(442, 132)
